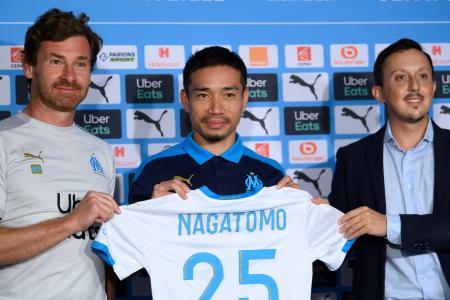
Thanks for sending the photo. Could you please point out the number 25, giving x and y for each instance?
(245, 256)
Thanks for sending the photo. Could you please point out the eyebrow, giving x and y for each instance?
(81, 57)
(205, 89)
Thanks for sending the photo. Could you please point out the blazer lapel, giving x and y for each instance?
(374, 158)
(441, 170)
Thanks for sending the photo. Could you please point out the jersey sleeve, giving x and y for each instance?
(326, 242)
(120, 243)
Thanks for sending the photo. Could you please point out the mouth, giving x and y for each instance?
(215, 123)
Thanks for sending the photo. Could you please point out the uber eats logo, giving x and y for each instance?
(149, 88)
(307, 120)
(352, 86)
(105, 124)
(262, 87)
(442, 84)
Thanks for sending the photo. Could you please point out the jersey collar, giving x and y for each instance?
(200, 155)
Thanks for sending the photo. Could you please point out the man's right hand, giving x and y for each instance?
(169, 187)
(95, 207)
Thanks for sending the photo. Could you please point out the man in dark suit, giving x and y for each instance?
(395, 187)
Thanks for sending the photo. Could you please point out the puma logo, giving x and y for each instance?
(139, 115)
(315, 182)
(187, 180)
(297, 80)
(445, 110)
(248, 115)
(101, 88)
(30, 156)
(347, 112)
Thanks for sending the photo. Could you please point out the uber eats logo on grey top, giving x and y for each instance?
(105, 124)
(262, 87)
(149, 88)
(353, 86)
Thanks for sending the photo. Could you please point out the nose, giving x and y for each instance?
(216, 105)
(413, 84)
(68, 73)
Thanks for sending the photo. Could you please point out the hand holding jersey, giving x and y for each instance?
(219, 245)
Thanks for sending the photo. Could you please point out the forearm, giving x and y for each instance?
(18, 244)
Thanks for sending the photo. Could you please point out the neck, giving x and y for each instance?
(37, 110)
(408, 135)
(216, 148)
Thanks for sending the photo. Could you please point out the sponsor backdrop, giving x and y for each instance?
(309, 63)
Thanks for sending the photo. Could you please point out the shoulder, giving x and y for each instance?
(262, 159)
(10, 123)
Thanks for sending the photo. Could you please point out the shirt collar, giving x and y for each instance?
(427, 137)
(200, 155)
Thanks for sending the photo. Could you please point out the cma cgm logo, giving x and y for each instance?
(349, 52)
(304, 53)
(16, 57)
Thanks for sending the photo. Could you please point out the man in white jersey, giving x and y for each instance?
(258, 245)
(56, 180)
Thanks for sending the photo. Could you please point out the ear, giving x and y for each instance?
(27, 70)
(184, 100)
(377, 93)
(244, 99)
(434, 87)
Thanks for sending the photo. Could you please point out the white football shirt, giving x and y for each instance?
(45, 171)
(258, 246)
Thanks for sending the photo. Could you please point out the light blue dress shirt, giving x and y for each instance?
(409, 184)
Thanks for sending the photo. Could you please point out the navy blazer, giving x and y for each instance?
(359, 181)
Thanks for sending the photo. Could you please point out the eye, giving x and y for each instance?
(423, 76)
(400, 77)
(55, 62)
(201, 96)
(81, 65)
(230, 95)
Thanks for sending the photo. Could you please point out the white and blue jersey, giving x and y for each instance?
(236, 171)
(252, 246)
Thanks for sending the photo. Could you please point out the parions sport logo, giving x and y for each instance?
(117, 57)
(307, 120)
(144, 88)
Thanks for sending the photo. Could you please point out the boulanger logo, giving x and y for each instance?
(316, 181)
(442, 84)
(10, 57)
(126, 155)
(439, 52)
(259, 121)
(262, 87)
(355, 55)
(303, 56)
(353, 86)
(357, 119)
(150, 123)
(105, 124)
(307, 120)
(5, 93)
(305, 87)
(103, 89)
(441, 114)
(145, 88)
(164, 56)
(270, 149)
(308, 151)
(259, 56)
(117, 57)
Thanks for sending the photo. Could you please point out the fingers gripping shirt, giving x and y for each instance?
(259, 246)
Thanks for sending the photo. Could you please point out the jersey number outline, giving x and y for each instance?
(245, 256)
